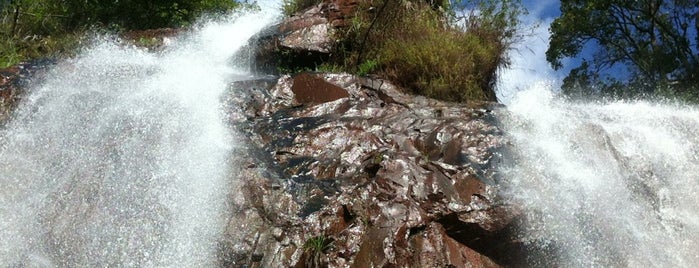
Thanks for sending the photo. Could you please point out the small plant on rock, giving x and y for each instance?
(314, 249)
(367, 67)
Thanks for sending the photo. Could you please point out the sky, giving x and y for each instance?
(528, 58)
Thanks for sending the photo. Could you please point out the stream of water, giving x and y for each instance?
(605, 185)
(119, 157)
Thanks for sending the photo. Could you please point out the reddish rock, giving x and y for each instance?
(302, 41)
(308, 88)
(435, 248)
(8, 77)
(340, 12)
(391, 179)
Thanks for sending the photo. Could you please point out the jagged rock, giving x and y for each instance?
(301, 41)
(388, 178)
(307, 31)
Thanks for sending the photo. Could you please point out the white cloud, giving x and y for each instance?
(528, 61)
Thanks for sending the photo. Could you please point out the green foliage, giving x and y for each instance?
(447, 64)
(9, 53)
(315, 248)
(317, 244)
(12, 50)
(367, 67)
(652, 38)
(328, 67)
(441, 49)
(425, 47)
(41, 28)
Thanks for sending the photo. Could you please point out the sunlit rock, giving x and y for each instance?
(388, 178)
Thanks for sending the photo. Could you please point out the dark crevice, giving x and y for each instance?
(347, 215)
(500, 246)
(416, 230)
(372, 169)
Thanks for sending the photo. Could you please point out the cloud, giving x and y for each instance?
(528, 62)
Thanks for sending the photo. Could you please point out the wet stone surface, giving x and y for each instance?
(15, 80)
(339, 171)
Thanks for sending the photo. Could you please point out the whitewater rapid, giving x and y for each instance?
(119, 156)
(604, 184)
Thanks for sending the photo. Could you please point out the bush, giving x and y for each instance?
(14, 50)
(441, 49)
(40, 28)
(438, 61)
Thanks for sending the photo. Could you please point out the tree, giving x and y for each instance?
(44, 28)
(655, 39)
(51, 16)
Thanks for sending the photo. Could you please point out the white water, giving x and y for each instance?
(119, 157)
(605, 185)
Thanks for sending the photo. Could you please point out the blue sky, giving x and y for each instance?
(529, 66)
(543, 8)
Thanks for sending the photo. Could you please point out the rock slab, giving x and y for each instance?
(347, 171)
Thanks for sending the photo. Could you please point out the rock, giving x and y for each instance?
(389, 178)
(312, 89)
(14, 81)
(340, 12)
(437, 249)
(307, 31)
(300, 42)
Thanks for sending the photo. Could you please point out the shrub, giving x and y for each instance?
(439, 61)
(442, 49)
(40, 28)
(15, 50)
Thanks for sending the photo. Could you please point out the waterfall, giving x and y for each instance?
(119, 156)
(604, 184)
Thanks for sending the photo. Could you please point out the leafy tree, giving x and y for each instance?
(51, 16)
(655, 39)
(41, 28)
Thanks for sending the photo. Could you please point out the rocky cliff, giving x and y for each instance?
(340, 170)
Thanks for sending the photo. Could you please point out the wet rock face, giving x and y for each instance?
(302, 41)
(14, 80)
(346, 171)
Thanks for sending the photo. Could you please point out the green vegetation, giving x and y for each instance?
(33, 28)
(446, 50)
(314, 249)
(653, 39)
(317, 244)
(440, 62)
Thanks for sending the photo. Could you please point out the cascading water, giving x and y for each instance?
(119, 156)
(613, 184)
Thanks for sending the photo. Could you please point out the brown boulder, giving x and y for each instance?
(308, 88)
